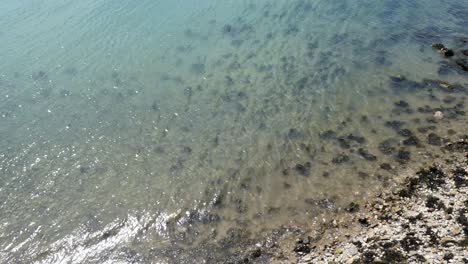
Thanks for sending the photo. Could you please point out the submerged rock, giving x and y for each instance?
(432, 177)
(403, 156)
(447, 52)
(438, 46)
(387, 146)
(386, 166)
(434, 202)
(394, 124)
(198, 68)
(295, 134)
(329, 134)
(366, 155)
(459, 146)
(357, 139)
(343, 143)
(425, 129)
(227, 29)
(401, 83)
(412, 141)
(443, 50)
(402, 104)
(463, 63)
(302, 246)
(40, 76)
(303, 170)
(405, 132)
(460, 177)
(340, 158)
(353, 207)
(434, 139)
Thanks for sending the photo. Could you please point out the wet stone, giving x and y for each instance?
(460, 146)
(256, 253)
(302, 246)
(460, 178)
(435, 203)
(438, 46)
(448, 256)
(409, 242)
(433, 238)
(364, 221)
(447, 52)
(392, 256)
(462, 219)
(352, 208)
(432, 177)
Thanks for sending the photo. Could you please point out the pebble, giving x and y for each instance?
(455, 231)
(411, 214)
(447, 241)
(438, 115)
(352, 250)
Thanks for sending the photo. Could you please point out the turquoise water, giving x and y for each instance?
(138, 131)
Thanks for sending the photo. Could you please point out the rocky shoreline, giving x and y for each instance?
(423, 219)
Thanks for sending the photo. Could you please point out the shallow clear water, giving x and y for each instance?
(130, 128)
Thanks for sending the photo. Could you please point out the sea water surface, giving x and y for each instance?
(144, 131)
